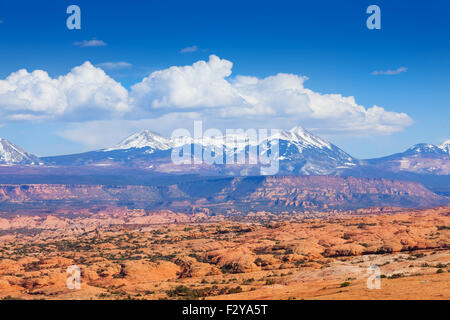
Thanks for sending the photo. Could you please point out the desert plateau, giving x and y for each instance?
(134, 254)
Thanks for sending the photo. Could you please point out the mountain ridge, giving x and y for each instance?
(300, 153)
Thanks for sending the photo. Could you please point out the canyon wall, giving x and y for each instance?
(241, 193)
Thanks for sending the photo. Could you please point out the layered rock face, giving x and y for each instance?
(39, 192)
(242, 194)
(335, 192)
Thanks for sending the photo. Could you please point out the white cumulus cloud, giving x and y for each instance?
(205, 89)
(207, 86)
(201, 85)
(85, 92)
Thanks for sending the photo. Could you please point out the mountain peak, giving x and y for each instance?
(297, 129)
(12, 154)
(143, 139)
(304, 138)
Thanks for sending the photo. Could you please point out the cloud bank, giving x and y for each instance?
(204, 90)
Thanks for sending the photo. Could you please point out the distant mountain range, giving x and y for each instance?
(300, 153)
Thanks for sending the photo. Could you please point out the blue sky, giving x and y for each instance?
(327, 41)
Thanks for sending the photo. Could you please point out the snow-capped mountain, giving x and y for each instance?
(302, 139)
(425, 148)
(420, 150)
(297, 136)
(11, 154)
(422, 158)
(143, 139)
(300, 152)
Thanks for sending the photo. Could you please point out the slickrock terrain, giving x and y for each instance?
(140, 256)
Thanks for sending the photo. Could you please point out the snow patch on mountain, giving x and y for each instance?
(445, 146)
